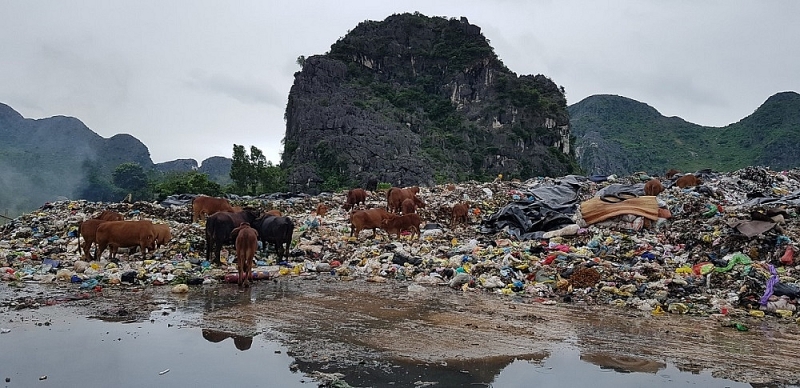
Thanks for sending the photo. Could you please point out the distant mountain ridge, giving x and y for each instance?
(618, 135)
(59, 157)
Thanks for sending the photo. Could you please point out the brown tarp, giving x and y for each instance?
(751, 228)
(596, 210)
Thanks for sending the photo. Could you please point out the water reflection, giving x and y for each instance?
(406, 373)
(208, 299)
(241, 342)
(623, 364)
(567, 366)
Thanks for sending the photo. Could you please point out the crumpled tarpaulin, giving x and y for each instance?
(617, 188)
(551, 210)
(751, 228)
(596, 210)
(562, 197)
(178, 200)
(525, 220)
(789, 199)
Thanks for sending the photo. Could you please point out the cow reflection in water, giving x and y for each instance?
(623, 363)
(228, 308)
(241, 342)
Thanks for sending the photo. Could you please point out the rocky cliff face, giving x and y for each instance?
(218, 169)
(418, 100)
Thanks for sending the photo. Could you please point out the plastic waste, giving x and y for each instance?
(788, 256)
(569, 230)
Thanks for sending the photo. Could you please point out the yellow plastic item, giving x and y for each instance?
(284, 271)
(683, 270)
(784, 313)
(757, 313)
(658, 310)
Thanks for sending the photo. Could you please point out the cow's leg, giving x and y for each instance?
(240, 270)
(87, 245)
(280, 251)
(247, 263)
(112, 254)
(217, 250)
(99, 251)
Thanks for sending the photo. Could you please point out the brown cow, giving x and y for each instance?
(688, 180)
(671, 173)
(273, 212)
(110, 215)
(395, 197)
(460, 211)
(202, 204)
(116, 234)
(218, 230)
(653, 187)
(162, 234)
(368, 219)
(322, 210)
(355, 197)
(408, 206)
(88, 230)
(246, 246)
(396, 225)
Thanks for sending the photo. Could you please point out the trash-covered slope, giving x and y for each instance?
(727, 248)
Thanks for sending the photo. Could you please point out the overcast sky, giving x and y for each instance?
(191, 78)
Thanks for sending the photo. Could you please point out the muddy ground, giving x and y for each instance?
(333, 325)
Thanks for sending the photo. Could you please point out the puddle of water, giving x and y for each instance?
(92, 353)
(567, 367)
(74, 351)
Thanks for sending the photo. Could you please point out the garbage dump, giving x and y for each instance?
(725, 247)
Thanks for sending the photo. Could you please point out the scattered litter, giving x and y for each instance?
(725, 248)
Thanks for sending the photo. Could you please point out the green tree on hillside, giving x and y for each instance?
(241, 170)
(132, 178)
(253, 174)
(186, 182)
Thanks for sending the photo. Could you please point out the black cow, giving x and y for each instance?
(275, 230)
(219, 227)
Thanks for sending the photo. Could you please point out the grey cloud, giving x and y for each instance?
(246, 91)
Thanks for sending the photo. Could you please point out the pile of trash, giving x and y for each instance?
(725, 247)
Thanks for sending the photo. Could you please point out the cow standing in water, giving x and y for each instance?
(219, 227)
(246, 246)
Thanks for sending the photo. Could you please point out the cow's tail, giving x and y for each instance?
(79, 237)
(388, 195)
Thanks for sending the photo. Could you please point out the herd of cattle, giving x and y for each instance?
(244, 228)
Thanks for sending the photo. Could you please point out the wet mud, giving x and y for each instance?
(376, 333)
